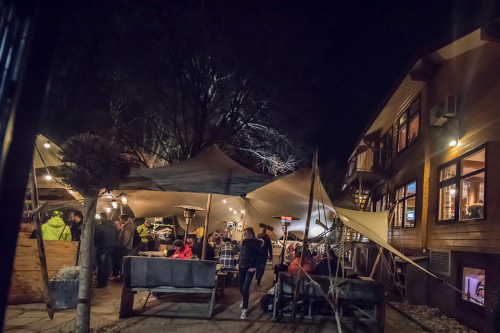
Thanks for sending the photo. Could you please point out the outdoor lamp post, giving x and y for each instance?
(285, 222)
(189, 212)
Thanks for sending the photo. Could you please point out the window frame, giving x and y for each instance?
(457, 180)
(403, 200)
(407, 124)
(476, 309)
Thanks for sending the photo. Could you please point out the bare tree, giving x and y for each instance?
(91, 163)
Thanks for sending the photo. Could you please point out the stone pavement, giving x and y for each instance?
(183, 313)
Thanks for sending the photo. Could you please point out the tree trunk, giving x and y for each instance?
(82, 323)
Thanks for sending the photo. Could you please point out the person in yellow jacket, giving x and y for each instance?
(55, 228)
(143, 231)
(199, 233)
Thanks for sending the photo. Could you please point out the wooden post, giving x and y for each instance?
(376, 262)
(306, 232)
(41, 247)
(82, 321)
(205, 232)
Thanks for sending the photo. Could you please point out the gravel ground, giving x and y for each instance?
(433, 318)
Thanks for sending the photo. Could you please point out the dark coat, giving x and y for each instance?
(267, 247)
(322, 267)
(76, 231)
(251, 253)
(198, 249)
(106, 235)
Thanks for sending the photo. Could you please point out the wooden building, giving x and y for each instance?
(431, 154)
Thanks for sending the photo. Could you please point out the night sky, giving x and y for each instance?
(327, 65)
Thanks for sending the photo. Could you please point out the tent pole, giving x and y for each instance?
(39, 240)
(306, 232)
(205, 232)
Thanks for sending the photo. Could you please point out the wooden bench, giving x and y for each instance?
(164, 275)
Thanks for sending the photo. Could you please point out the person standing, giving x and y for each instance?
(105, 241)
(250, 258)
(55, 228)
(143, 231)
(76, 225)
(267, 252)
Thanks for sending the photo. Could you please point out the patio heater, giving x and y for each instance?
(285, 222)
(189, 213)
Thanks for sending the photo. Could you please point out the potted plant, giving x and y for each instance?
(64, 288)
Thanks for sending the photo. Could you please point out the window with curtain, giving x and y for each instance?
(462, 187)
(408, 125)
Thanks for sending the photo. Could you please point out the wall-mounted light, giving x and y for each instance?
(97, 216)
(452, 143)
(71, 191)
(108, 195)
(46, 144)
(48, 177)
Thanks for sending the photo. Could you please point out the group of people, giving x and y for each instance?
(314, 264)
(114, 240)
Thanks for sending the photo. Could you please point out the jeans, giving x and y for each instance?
(245, 279)
(260, 270)
(104, 263)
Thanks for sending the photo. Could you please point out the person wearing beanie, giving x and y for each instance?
(181, 251)
(55, 228)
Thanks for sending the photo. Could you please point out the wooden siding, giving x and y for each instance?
(26, 284)
(473, 78)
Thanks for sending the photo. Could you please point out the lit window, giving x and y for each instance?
(405, 206)
(408, 125)
(461, 194)
(473, 285)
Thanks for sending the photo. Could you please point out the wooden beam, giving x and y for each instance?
(41, 248)
(306, 231)
(380, 250)
(205, 232)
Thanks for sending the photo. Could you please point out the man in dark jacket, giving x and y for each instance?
(267, 252)
(322, 268)
(250, 259)
(198, 250)
(76, 225)
(105, 241)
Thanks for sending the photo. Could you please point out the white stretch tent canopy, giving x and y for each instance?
(375, 227)
(192, 180)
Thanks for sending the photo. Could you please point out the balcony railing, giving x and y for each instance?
(371, 160)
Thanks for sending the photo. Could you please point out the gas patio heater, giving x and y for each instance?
(285, 222)
(189, 213)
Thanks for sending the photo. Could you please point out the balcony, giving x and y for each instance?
(367, 165)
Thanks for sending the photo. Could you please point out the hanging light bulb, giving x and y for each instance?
(452, 191)
(46, 144)
(242, 211)
(108, 210)
(224, 201)
(48, 177)
(114, 203)
(452, 143)
(123, 197)
(235, 212)
(230, 208)
(71, 191)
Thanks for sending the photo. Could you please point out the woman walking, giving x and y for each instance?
(250, 257)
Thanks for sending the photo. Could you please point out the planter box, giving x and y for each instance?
(64, 294)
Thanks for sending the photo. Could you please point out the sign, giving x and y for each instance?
(286, 219)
